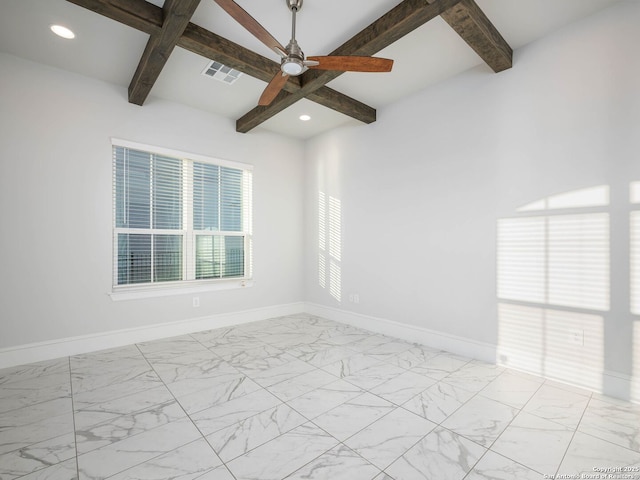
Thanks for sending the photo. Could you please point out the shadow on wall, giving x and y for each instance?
(553, 287)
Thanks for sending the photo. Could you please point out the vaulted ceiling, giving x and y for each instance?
(429, 40)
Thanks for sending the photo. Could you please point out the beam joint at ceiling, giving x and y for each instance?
(177, 14)
(392, 26)
(470, 22)
(148, 18)
(171, 27)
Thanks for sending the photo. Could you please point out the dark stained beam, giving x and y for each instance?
(209, 45)
(330, 98)
(177, 14)
(148, 18)
(139, 14)
(392, 26)
(470, 22)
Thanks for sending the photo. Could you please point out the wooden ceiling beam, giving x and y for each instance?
(139, 14)
(209, 45)
(464, 16)
(470, 22)
(148, 18)
(177, 14)
(332, 99)
(392, 26)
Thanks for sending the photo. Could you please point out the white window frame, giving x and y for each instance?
(190, 284)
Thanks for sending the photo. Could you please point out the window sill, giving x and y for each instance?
(134, 293)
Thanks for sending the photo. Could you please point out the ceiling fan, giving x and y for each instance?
(293, 62)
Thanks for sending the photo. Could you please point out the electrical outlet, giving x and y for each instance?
(196, 301)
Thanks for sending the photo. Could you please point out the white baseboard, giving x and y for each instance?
(614, 384)
(412, 333)
(36, 352)
(619, 385)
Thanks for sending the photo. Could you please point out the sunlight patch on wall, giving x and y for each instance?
(560, 263)
(635, 262)
(558, 260)
(575, 348)
(330, 233)
(322, 221)
(634, 192)
(322, 232)
(322, 270)
(578, 261)
(335, 228)
(597, 196)
(335, 280)
(635, 379)
(520, 337)
(563, 345)
(522, 259)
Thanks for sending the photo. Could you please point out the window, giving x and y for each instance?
(178, 218)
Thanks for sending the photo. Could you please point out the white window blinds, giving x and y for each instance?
(178, 219)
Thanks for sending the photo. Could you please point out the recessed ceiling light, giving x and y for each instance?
(63, 32)
(305, 118)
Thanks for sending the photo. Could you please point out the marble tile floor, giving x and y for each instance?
(301, 397)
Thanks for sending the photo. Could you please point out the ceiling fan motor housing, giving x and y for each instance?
(293, 63)
(294, 4)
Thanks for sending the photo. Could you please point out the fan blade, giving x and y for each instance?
(273, 89)
(352, 63)
(251, 24)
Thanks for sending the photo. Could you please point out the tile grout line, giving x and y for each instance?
(202, 436)
(282, 403)
(276, 396)
(396, 407)
(488, 449)
(73, 417)
(299, 329)
(573, 435)
(185, 412)
(362, 391)
(520, 410)
(402, 407)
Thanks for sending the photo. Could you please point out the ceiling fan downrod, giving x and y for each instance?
(293, 62)
(294, 6)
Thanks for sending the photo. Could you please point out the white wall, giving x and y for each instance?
(420, 193)
(421, 189)
(55, 205)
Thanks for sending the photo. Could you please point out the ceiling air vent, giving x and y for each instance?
(221, 72)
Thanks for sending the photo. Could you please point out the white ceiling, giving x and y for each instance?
(109, 51)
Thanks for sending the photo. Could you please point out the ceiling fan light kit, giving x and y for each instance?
(293, 61)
